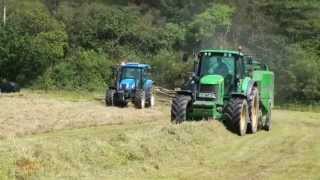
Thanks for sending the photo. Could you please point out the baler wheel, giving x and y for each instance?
(260, 120)
(179, 108)
(268, 124)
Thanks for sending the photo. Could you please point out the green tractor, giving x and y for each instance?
(230, 87)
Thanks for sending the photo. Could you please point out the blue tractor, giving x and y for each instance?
(133, 84)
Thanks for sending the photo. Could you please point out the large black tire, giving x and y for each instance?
(237, 115)
(268, 125)
(140, 99)
(254, 109)
(179, 108)
(122, 104)
(110, 100)
(260, 125)
(151, 101)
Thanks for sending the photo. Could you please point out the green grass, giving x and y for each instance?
(300, 107)
(158, 150)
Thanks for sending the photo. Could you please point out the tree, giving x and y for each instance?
(206, 24)
(32, 41)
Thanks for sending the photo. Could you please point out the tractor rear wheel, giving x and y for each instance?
(140, 99)
(179, 108)
(110, 97)
(254, 110)
(151, 101)
(237, 115)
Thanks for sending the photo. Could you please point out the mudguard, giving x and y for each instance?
(148, 85)
(247, 85)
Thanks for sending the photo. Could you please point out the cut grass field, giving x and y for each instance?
(53, 137)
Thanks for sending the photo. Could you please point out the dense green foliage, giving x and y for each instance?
(72, 44)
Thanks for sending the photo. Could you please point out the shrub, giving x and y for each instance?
(86, 70)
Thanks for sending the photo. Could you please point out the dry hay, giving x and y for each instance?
(23, 114)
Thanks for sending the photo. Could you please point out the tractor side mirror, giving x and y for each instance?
(195, 66)
(185, 57)
(196, 63)
(250, 61)
(265, 67)
(192, 76)
(238, 77)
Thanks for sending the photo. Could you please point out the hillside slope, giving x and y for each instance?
(144, 145)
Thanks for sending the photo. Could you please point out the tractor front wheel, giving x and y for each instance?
(237, 115)
(110, 97)
(140, 99)
(179, 108)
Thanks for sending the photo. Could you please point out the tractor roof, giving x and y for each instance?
(220, 51)
(137, 65)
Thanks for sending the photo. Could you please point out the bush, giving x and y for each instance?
(169, 70)
(87, 70)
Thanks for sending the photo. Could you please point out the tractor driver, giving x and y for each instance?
(222, 68)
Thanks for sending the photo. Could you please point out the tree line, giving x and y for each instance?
(72, 44)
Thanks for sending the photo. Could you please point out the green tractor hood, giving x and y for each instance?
(218, 82)
(211, 79)
(207, 107)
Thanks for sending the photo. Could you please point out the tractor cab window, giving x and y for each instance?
(240, 67)
(131, 73)
(220, 64)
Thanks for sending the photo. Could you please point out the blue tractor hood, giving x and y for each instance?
(127, 84)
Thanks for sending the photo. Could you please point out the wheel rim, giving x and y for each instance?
(142, 102)
(152, 101)
(243, 120)
(254, 115)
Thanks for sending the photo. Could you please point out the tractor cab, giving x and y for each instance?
(220, 68)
